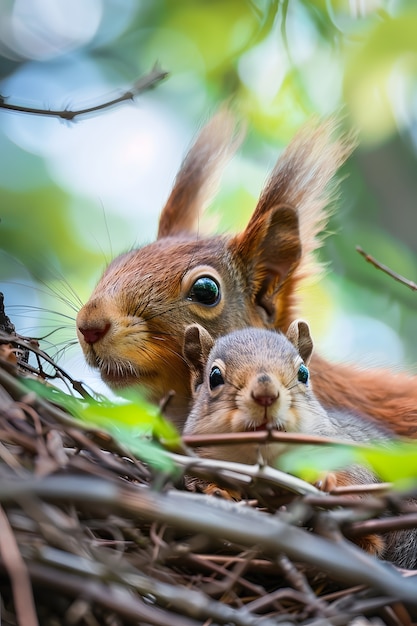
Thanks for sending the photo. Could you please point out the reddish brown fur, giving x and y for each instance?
(143, 296)
(390, 398)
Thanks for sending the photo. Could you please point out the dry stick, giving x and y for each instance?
(220, 519)
(218, 565)
(113, 597)
(387, 270)
(18, 391)
(142, 84)
(244, 473)
(399, 522)
(29, 345)
(185, 601)
(265, 436)
(300, 584)
(17, 571)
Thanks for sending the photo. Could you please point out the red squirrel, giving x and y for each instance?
(132, 327)
(256, 379)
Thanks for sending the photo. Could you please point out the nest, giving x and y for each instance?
(92, 535)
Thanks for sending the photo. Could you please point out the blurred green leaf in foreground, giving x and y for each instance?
(135, 424)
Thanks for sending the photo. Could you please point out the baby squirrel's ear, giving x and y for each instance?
(196, 348)
(299, 334)
(269, 250)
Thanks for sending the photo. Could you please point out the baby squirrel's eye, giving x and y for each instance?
(303, 374)
(215, 377)
(205, 291)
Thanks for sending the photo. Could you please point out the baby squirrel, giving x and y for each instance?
(132, 327)
(256, 379)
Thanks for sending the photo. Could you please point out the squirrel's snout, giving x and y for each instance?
(265, 400)
(264, 391)
(94, 320)
(93, 333)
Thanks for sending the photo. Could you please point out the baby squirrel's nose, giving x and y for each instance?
(265, 399)
(264, 392)
(92, 334)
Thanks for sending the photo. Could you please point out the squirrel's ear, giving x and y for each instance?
(196, 182)
(269, 250)
(197, 345)
(299, 334)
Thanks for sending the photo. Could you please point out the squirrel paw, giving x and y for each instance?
(327, 482)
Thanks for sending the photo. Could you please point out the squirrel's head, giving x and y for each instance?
(132, 327)
(248, 380)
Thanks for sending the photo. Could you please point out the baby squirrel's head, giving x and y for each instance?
(251, 379)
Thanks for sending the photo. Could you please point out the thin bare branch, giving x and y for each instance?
(16, 569)
(263, 437)
(145, 83)
(387, 270)
(244, 474)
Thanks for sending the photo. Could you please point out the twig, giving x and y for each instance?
(300, 584)
(30, 345)
(399, 522)
(265, 436)
(245, 474)
(188, 602)
(17, 571)
(387, 270)
(114, 597)
(142, 84)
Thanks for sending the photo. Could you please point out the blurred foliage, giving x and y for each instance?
(136, 425)
(395, 462)
(277, 62)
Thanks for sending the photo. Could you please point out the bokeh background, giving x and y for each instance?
(74, 194)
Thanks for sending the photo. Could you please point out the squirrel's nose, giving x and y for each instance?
(92, 334)
(264, 391)
(265, 399)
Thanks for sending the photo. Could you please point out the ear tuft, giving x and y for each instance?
(197, 180)
(299, 334)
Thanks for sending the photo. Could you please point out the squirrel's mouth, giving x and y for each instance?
(267, 425)
(122, 374)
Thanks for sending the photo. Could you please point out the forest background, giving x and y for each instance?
(75, 194)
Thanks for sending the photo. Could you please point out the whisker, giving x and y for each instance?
(175, 306)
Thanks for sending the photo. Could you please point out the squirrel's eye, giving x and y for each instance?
(205, 291)
(215, 377)
(303, 374)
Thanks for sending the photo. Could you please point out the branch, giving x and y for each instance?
(263, 437)
(17, 571)
(30, 344)
(386, 269)
(244, 474)
(145, 83)
(184, 601)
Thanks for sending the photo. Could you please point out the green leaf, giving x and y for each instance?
(136, 425)
(396, 464)
(309, 462)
